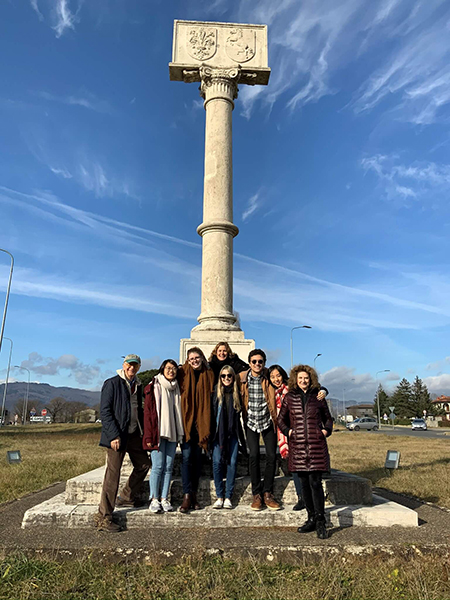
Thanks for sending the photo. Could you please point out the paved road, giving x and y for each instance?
(430, 433)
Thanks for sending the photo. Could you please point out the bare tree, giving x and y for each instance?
(56, 408)
(72, 408)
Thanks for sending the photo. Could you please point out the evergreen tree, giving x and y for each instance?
(384, 399)
(420, 397)
(402, 399)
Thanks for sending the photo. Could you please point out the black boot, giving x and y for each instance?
(309, 525)
(300, 505)
(321, 528)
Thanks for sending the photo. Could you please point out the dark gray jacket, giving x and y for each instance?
(115, 410)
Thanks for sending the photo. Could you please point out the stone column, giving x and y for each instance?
(219, 56)
(219, 90)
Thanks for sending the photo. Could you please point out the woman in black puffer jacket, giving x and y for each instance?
(307, 422)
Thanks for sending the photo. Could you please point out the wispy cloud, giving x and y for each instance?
(298, 296)
(253, 204)
(420, 180)
(63, 172)
(64, 17)
(84, 99)
(35, 7)
(311, 42)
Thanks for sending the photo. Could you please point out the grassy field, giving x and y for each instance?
(424, 464)
(423, 578)
(53, 453)
(50, 453)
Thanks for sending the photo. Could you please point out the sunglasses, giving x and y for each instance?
(226, 376)
(257, 362)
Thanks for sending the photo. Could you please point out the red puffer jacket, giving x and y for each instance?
(308, 450)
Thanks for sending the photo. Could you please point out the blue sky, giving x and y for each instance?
(341, 183)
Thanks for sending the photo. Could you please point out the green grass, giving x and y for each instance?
(213, 578)
(50, 453)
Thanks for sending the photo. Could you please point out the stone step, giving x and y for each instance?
(339, 488)
(242, 465)
(383, 513)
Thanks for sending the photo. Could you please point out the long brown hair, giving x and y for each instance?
(313, 377)
(217, 346)
(220, 389)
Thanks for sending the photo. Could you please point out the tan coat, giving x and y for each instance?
(269, 394)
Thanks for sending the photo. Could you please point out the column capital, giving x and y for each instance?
(219, 83)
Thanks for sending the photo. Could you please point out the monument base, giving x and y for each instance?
(207, 339)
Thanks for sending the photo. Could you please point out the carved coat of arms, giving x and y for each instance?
(202, 42)
(241, 44)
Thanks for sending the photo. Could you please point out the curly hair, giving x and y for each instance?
(217, 346)
(313, 377)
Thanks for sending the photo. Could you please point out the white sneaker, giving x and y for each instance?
(227, 503)
(218, 503)
(166, 506)
(155, 506)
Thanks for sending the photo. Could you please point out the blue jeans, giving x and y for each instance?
(162, 466)
(191, 464)
(298, 485)
(219, 465)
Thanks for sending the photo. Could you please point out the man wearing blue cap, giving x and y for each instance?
(121, 413)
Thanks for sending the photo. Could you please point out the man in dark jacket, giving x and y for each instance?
(122, 429)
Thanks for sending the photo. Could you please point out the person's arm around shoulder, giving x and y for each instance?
(327, 420)
(323, 393)
(110, 426)
(283, 420)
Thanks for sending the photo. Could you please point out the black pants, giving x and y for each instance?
(313, 495)
(298, 485)
(270, 444)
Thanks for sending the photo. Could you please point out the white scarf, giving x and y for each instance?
(168, 405)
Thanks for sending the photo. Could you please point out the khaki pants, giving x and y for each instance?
(141, 465)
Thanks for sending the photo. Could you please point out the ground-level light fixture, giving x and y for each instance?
(13, 456)
(392, 459)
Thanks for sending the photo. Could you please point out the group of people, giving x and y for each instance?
(218, 407)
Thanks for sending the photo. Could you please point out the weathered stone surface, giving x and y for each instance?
(339, 488)
(197, 43)
(54, 513)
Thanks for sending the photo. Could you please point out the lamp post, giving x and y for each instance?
(24, 419)
(316, 357)
(7, 295)
(2, 414)
(292, 348)
(378, 395)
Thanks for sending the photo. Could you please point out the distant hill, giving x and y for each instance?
(45, 392)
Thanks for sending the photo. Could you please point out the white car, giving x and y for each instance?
(419, 424)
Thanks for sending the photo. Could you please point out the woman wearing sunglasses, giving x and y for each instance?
(225, 434)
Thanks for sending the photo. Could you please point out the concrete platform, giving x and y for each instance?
(340, 488)
(56, 513)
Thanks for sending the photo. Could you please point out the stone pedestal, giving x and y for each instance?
(219, 56)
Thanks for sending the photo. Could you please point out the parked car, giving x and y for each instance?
(419, 424)
(363, 423)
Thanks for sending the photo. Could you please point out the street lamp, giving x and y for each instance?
(292, 349)
(24, 419)
(2, 414)
(378, 395)
(316, 357)
(7, 295)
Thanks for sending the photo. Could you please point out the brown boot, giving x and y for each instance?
(186, 504)
(194, 501)
(257, 503)
(105, 524)
(270, 501)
